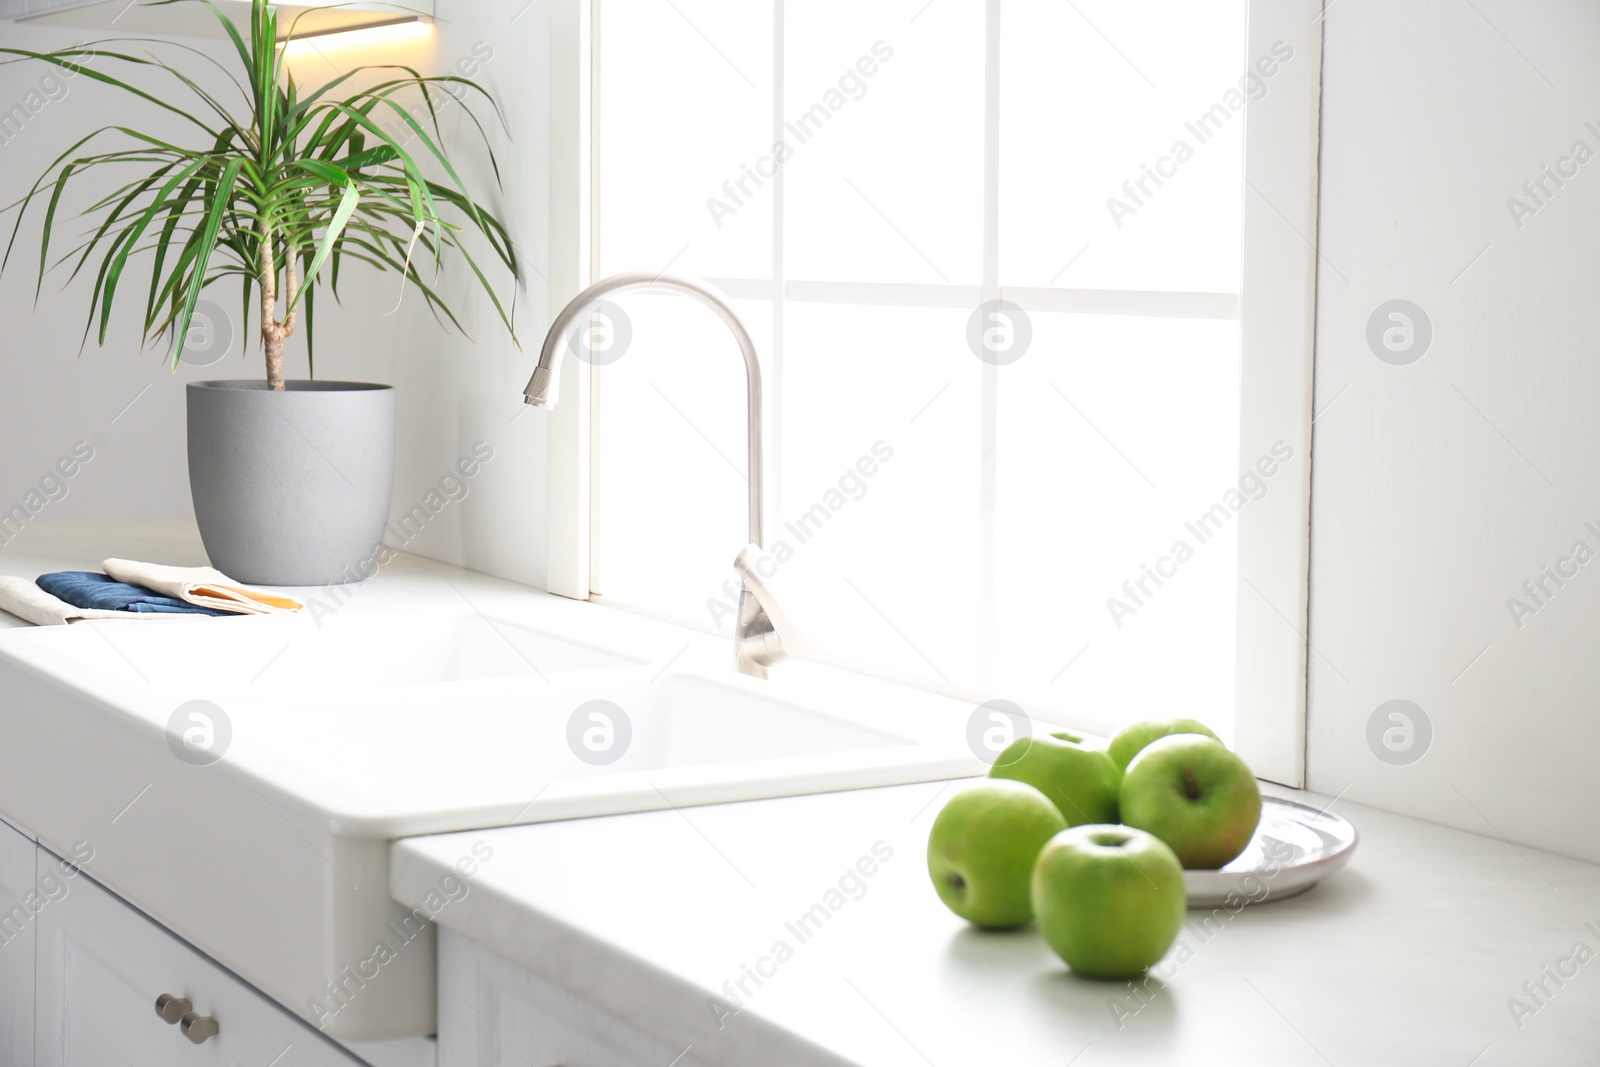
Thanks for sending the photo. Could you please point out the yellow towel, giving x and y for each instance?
(205, 586)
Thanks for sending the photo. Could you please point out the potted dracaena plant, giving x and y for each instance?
(276, 191)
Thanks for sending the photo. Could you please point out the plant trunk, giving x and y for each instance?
(274, 333)
(273, 346)
(271, 341)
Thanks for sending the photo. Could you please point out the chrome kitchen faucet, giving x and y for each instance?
(757, 643)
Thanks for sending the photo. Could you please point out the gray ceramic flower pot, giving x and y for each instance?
(292, 487)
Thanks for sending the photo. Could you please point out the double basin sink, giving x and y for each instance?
(241, 779)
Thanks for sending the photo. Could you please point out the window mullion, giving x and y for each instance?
(774, 482)
(989, 392)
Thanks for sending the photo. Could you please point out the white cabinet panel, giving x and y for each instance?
(493, 1013)
(101, 966)
(16, 949)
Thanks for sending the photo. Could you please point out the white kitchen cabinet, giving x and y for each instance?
(495, 1013)
(100, 967)
(16, 949)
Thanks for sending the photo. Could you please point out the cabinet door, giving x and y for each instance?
(101, 966)
(495, 1013)
(16, 949)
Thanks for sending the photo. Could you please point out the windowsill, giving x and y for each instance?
(62, 544)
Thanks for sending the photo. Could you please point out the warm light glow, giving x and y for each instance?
(367, 37)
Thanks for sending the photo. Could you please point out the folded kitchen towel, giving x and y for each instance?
(28, 602)
(204, 586)
(101, 592)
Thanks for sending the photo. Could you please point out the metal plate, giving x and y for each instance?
(1295, 847)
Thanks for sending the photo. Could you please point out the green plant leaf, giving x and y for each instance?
(219, 205)
(347, 206)
(296, 174)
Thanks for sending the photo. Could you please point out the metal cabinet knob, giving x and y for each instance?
(198, 1028)
(171, 1008)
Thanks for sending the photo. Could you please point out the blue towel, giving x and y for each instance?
(86, 589)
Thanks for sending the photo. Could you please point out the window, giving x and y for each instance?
(992, 255)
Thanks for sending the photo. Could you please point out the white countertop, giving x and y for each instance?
(1408, 956)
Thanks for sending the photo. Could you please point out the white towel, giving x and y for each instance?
(28, 602)
(205, 586)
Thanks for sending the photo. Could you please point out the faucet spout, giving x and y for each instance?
(541, 390)
(752, 621)
(542, 387)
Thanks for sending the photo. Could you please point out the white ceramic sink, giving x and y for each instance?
(525, 735)
(423, 716)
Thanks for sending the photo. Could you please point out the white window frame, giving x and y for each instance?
(1277, 308)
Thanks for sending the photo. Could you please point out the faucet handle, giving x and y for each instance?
(763, 632)
(753, 565)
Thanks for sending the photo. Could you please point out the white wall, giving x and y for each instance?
(1441, 486)
(452, 391)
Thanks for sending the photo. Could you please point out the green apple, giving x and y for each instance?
(1109, 899)
(1130, 739)
(1078, 777)
(982, 847)
(1195, 795)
